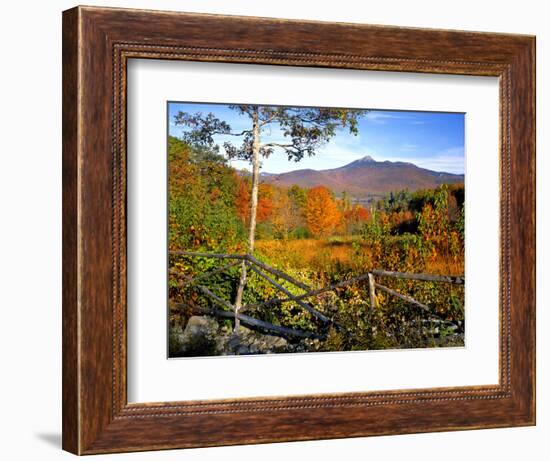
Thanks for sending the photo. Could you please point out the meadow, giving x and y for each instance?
(334, 254)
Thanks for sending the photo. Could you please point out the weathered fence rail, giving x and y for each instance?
(458, 280)
(306, 306)
(262, 270)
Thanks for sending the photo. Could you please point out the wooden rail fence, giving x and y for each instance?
(270, 274)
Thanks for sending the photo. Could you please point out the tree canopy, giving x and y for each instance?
(304, 129)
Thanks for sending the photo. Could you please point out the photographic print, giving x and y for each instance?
(313, 229)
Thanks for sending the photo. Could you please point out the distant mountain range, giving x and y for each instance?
(366, 177)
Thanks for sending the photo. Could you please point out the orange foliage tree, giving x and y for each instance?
(354, 218)
(242, 201)
(322, 214)
(436, 228)
(282, 217)
(265, 203)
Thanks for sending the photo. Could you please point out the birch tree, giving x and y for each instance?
(302, 132)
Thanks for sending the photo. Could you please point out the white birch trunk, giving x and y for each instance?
(253, 211)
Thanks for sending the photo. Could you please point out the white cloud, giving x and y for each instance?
(381, 117)
(449, 160)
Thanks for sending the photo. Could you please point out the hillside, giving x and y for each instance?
(365, 177)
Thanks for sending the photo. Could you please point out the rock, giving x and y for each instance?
(250, 342)
(234, 340)
(199, 337)
(273, 342)
(175, 339)
(203, 336)
(243, 350)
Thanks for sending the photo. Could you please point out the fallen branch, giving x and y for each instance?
(252, 322)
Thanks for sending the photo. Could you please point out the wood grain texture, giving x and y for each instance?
(97, 42)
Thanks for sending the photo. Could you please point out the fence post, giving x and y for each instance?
(372, 292)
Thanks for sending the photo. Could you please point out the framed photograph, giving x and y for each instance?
(282, 230)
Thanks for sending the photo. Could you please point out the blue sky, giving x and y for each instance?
(432, 140)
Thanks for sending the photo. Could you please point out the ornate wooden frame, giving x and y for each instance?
(97, 43)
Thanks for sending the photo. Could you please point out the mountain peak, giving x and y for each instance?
(360, 162)
(363, 161)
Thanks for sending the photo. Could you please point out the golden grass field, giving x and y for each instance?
(342, 253)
